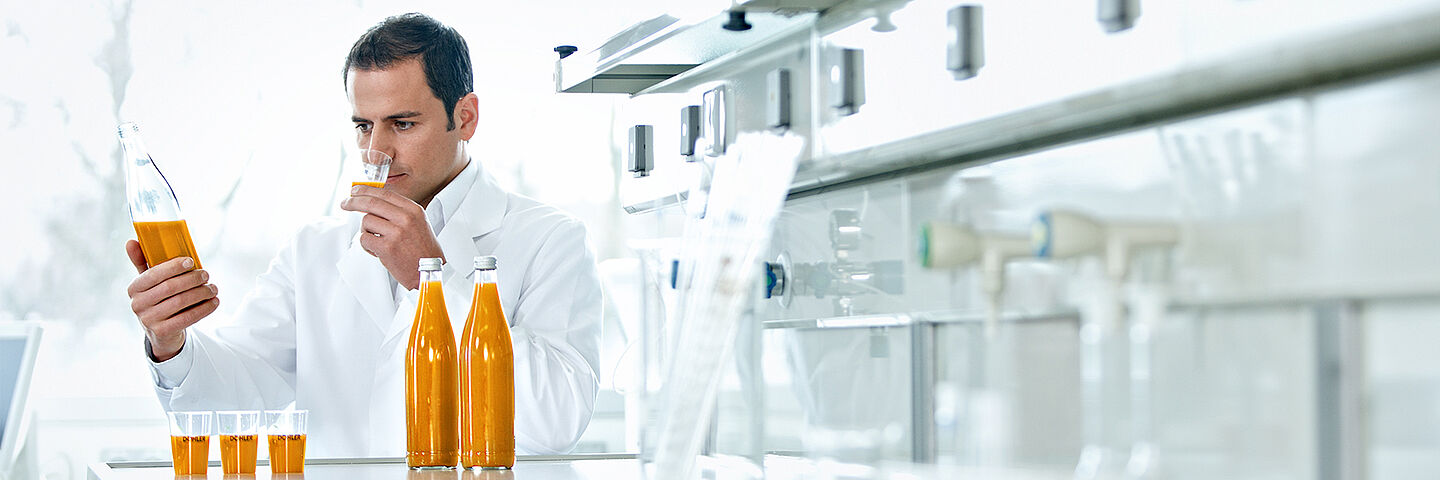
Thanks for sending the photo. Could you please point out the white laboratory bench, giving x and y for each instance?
(559, 467)
(579, 467)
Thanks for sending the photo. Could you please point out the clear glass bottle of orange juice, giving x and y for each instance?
(431, 382)
(487, 378)
(161, 230)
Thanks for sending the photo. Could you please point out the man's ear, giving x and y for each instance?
(467, 115)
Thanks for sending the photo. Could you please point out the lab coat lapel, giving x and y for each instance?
(480, 213)
(369, 282)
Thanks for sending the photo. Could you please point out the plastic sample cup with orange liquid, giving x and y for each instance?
(239, 440)
(190, 441)
(373, 169)
(286, 432)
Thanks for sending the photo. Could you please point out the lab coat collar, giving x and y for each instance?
(448, 200)
(479, 213)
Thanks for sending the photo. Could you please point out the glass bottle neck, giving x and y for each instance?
(427, 276)
(134, 147)
(485, 276)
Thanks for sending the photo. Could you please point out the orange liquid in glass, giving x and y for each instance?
(237, 453)
(431, 384)
(162, 241)
(191, 454)
(368, 184)
(287, 453)
(487, 384)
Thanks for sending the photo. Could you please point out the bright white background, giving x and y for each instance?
(243, 107)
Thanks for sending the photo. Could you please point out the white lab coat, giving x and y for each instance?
(321, 329)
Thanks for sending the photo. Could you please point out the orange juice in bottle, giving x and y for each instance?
(161, 230)
(431, 382)
(487, 378)
(368, 184)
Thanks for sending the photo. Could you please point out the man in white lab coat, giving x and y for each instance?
(326, 326)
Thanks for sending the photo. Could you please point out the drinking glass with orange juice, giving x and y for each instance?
(190, 441)
(159, 226)
(373, 169)
(285, 430)
(239, 440)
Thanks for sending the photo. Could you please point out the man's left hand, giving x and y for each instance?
(394, 230)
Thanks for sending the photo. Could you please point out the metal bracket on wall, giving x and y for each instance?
(1117, 15)
(966, 53)
(713, 127)
(641, 154)
(689, 131)
(777, 98)
(847, 80)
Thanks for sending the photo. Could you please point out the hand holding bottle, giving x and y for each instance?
(168, 298)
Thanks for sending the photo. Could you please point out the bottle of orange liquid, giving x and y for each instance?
(431, 382)
(487, 378)
(161, 230)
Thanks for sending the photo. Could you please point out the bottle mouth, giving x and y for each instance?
(127, 128)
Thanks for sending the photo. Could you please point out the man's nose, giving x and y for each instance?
(383, 140)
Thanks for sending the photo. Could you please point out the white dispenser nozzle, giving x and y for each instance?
(1066, 234)
(948, 245)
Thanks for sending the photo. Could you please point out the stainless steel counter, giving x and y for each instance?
(559, 467)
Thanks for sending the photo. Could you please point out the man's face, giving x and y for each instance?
(395, 112)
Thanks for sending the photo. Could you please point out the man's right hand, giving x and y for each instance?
(167, 299)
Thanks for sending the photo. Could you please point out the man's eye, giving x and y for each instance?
(362, 127)
(403, 125)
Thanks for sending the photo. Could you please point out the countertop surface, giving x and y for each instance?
(563, 467)
(589, 467)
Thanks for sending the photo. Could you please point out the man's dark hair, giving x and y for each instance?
(441, 50)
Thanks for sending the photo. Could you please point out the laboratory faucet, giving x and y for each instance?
(949, 245)
(1068, 234)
